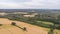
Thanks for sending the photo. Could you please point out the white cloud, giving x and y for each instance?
(52, 4)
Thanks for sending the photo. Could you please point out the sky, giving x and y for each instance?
(29, 4)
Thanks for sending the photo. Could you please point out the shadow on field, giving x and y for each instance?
(14, 24)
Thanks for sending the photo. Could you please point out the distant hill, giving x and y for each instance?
(29, 10)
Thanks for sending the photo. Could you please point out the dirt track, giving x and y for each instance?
(9, 29)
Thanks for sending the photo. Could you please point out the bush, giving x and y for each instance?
(0, 24)
(13, 23)
(24, 29)
(51, 31)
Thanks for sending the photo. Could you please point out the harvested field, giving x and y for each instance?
(6, 28)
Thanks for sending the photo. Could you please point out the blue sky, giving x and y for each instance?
(32, 4)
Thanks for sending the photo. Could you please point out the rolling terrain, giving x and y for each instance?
(6, 28)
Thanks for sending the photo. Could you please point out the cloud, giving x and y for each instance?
(18, 4)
